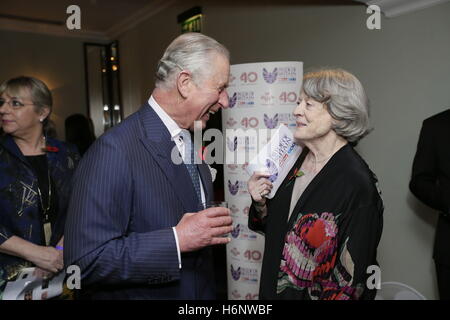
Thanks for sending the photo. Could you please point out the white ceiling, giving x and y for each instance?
(394, 8)
(100, 19)
(98, 15)
(102, 15)
(103, 20)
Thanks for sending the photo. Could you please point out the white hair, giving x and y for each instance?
(190, 51)
(345, 98)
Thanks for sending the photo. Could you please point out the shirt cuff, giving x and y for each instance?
(178, 247)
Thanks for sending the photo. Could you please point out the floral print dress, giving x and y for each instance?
(324, 250)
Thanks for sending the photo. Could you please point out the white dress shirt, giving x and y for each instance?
(175, 133)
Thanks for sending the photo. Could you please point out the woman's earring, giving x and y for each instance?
(41, 120)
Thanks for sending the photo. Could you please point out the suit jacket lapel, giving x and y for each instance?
(205, 176)
(157, 141)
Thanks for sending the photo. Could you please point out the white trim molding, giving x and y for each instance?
(113, 33)
(395, 8)
(52, 30)
(142, 15)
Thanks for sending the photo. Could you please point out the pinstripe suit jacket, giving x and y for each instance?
(127, 196)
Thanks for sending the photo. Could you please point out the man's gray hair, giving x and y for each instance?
(345, 99)
(192, 52)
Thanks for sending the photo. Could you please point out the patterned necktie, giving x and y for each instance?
(190, 165)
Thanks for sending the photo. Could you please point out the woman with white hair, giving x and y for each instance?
(323, 226)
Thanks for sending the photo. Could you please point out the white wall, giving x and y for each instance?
(55, 60)
(404, 67)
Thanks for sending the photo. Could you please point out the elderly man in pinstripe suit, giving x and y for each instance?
(136, 226)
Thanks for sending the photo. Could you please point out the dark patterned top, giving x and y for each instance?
(323, 252)
(20, 209)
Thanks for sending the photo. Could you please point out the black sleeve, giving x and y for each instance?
(355, 253)
(424, 182)
(254, 222)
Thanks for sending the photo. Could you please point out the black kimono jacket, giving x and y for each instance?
(20, 210)
(331, 238)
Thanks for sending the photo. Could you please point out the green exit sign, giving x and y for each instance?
(191, 20)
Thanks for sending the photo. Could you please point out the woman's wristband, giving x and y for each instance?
(61, 248)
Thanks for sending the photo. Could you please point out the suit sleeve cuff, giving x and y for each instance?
(178, 246)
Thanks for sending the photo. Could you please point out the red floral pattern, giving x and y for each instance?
(310, 259)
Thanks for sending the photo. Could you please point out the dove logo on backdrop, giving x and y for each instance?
(270, 77)
(238, 188)
(242, 232)
(271, 123)
(236, 230)
(235, 273)
(246, 275)
(233, 188)
(232, 100)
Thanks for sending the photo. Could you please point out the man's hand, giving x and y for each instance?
(204, 228)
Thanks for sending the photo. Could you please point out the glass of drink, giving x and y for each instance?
(214, 204)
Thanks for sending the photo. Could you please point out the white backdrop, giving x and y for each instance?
(262, 96)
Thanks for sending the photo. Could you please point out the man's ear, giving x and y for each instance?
(44, 112)
(184, 82)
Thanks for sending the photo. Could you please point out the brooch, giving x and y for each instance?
(297, 173)
(51, 149)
